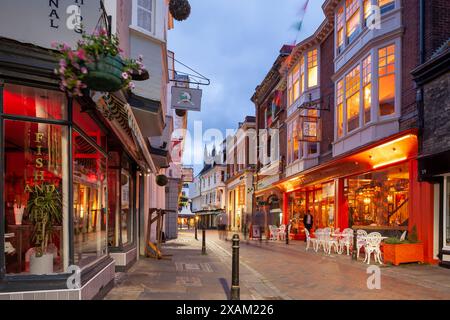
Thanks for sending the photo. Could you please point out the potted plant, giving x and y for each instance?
(179, 9)
(97, 64)
(162, 180)
(44, 211)
(397, 251)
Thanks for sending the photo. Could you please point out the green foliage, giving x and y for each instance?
(395, 241)
(44, 210)
(413, 237)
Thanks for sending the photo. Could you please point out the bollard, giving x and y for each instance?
(235, 289)
(287, 234)
(355, 247)
(203, 241)
(196, 236)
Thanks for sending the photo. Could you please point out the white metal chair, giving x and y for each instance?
(273, 232)
(310, 241)
(346, 241)
(372, 245)
(403, 237)
(282, 232)
(360, 241)
(330, 242)
(320, 240)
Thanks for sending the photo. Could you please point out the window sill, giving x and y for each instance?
(145, 33)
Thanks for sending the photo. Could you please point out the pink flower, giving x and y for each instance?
(131, 86)
(141, 57)
(125, 75)
(84, 70)
(81, 54)
(55, 44)
(103, 32)
(62, 70)
(62, 63)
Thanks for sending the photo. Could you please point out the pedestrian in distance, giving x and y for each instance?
(308, 221)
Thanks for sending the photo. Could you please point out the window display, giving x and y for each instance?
(379, 198)
(36, 195)
(89, 201)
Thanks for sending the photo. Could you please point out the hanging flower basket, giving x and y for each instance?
(180, 113)
(162, 180)
(180, 9)
(97, 64)
(105, 74)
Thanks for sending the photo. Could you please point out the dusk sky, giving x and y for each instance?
(235, 43)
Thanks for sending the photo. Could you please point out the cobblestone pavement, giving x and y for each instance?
(268, 271)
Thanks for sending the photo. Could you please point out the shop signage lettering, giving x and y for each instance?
(48, 21)
(39, 174)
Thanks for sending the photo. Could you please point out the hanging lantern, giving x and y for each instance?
(180, 9)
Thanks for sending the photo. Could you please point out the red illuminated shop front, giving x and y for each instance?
(375, 188)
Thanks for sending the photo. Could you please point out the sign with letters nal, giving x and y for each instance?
(43, 22)
(186, 99)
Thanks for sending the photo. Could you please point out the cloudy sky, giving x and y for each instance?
(234, 43)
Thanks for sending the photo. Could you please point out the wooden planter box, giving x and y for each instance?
(403, 253)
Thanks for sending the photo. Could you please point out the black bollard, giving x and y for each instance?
(204, 241)
(235, 289)
(355, 249)
(287, 234)
(196, 236)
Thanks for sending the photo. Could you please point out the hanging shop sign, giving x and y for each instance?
(43, 22)
(310, 129)
(188, 175)
(186, 99)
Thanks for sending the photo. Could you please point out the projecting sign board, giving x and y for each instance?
(186, 99)
(42, 22)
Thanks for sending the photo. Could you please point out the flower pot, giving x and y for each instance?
(140, 77)
(18, 215)
(41, 265)
(180, 113)
(180, 9)
(403, 253)
(105, 74)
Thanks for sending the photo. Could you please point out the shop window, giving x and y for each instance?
(367, 88)
(126, 194)
(352, 83)
(36, 174)
(379, 198)
(386, 74)
(340, 106)
(312, 68)
(34, 102)
(89, 201)
(352, 19)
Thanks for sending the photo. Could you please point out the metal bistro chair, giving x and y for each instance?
(310, 241)
(330, 242)
(360, 241)
(346, 241)
(273, 232)
(372, 245)
(282, 232)
(320, 241)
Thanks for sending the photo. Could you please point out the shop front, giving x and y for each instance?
(375, 188)
(69, 197)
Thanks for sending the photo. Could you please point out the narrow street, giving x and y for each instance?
(269, 271)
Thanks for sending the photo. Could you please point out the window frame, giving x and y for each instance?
(135, 17)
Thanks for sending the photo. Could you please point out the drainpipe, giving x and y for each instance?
(420, 91)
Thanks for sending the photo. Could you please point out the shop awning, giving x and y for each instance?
(149, 115)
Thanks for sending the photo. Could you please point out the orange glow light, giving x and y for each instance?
(389, 162)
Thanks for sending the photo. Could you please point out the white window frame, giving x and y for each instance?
(135, 18)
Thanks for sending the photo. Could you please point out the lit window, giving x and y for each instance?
(340, 105)
(367, 88)
(386, 74)
(386, 5)
(312, 148)
(295, 141)
(352, 83)
(367, 9)
(340, 28)
(353, 18)
(289, 160)
(312, 68)
(144, 14)
(294, 84)
(302, 75)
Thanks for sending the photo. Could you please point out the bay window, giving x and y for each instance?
(352, 18)
(367, 88)
(294, 85)
(295, 141)
(340, 107)
(352, 93)
(386, 80)
(355, 91)
(302, 75)
(340, 29)
(312, 68)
